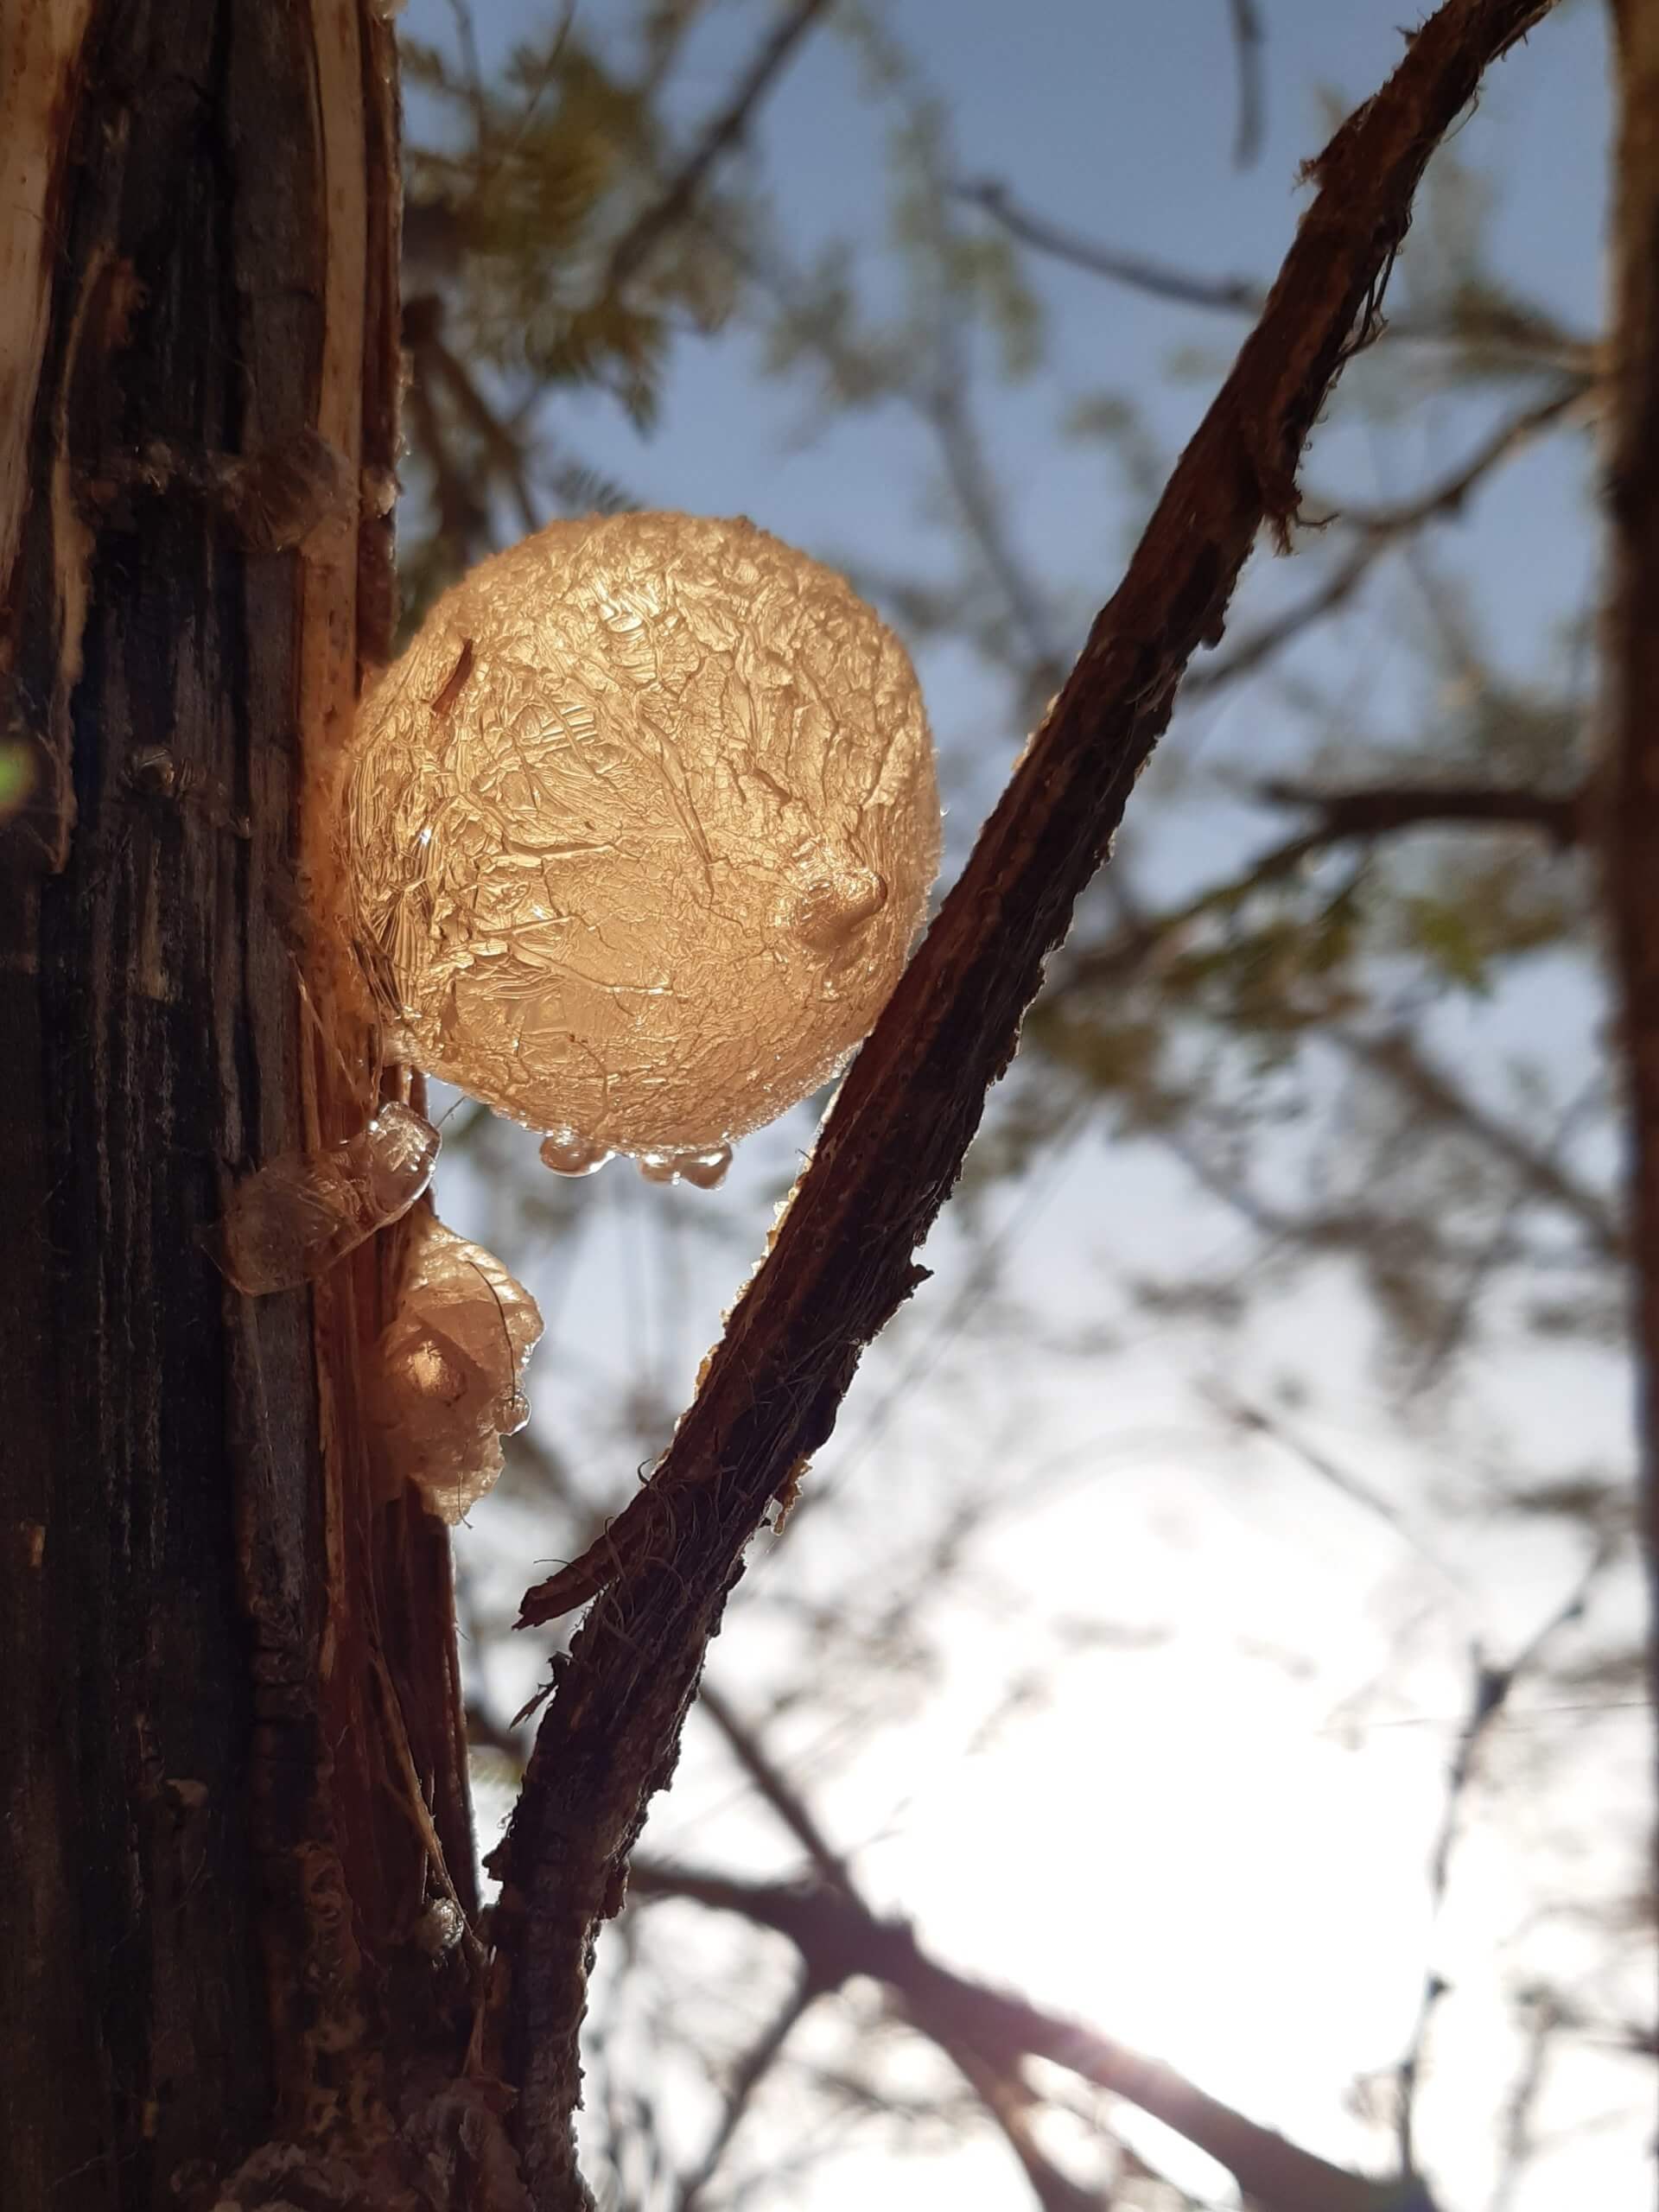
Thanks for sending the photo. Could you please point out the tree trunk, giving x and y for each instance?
(231, 1735)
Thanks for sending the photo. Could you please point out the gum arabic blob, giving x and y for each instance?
(448, 1366)
(636, 836)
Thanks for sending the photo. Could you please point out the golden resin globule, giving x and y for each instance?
(637, 834)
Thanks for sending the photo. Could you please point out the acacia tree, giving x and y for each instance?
(238, 1774)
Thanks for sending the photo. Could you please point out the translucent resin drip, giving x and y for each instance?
(292, 1219)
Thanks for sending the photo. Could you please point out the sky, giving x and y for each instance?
(1241, 1789)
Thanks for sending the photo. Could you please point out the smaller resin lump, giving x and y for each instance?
(636, 836)
(448, 1367)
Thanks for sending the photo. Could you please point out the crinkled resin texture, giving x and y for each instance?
(637, 834)
(446, 1387)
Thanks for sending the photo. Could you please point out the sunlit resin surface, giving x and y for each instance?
(637, 833)
(450, 1366)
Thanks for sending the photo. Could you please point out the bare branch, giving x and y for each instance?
(1010, 2103)
(750, 2070)
(1381, 528)
(636, 243)
(1544, 2021)
(841, 1260)
(1395, 1056)
(1374, 810)
(838, 1938)
(1007, 2099)
(786, 1801)
(1488, 1695)
(1356, 816)
(1529, 337)
(1257, 1419)
(1231, 294)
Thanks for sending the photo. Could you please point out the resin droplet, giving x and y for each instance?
(707, 1170)
(290, 1220)
(449, 1368)
(567, 1153)
(637, 834)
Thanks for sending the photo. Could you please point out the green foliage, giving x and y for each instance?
(519, 192)
(531, 181)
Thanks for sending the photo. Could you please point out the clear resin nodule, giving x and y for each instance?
(291, 1220)
(637, 834)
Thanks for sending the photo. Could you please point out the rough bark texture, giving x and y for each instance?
(1632, 768)
(842, 1261)
(230, 1736)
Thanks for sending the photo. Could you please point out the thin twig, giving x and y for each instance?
(1248, 42)
(1229, 295)
(1378, 528)
(768, 1778)
(1489, 1695)
(1358, 815)
(841, 1260)
(1520, 2106)
(750, 2071)
(1376, 810)
(1006, 2099)
(1256, 1420)
(1529, 336)
(1396, 1056)
(1458, 1312)
(643, 235)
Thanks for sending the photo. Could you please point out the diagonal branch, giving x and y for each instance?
(841, 1260)
(1011, 2101)
(1394, 1055)
(1227, 295)
(838, 1938)
(773, 1786)
(1006, 2099)
(750, 2072)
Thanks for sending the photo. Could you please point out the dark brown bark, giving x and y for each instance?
(842, 1261)
(1632, 779)
(226, 1663)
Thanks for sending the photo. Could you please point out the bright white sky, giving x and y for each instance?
(1211, 1839)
